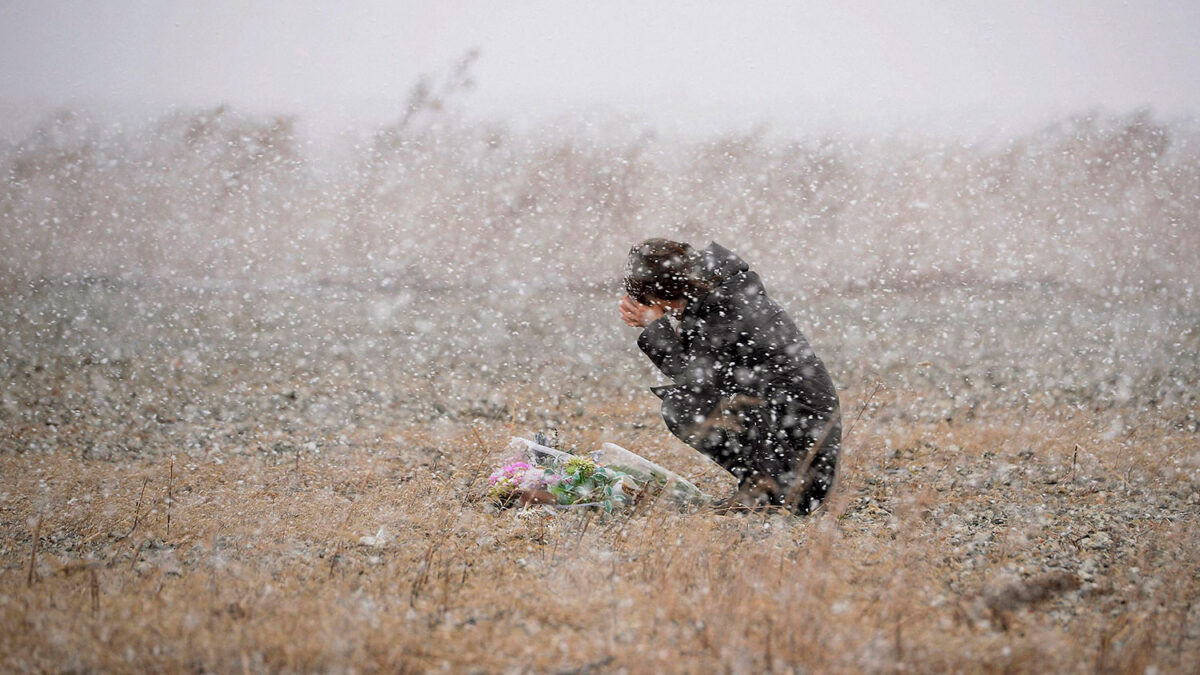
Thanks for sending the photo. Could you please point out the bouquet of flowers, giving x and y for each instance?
(611, 479)
(580, 481)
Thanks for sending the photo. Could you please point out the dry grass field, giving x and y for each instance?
(250, 392)
(188, 473)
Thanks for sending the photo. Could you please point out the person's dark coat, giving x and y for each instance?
(748, 390)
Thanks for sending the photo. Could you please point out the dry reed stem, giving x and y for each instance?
(170, 495)
(137, 511)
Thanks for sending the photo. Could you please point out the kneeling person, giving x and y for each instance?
(748, 390)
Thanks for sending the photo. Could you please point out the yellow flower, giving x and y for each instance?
(580, 467)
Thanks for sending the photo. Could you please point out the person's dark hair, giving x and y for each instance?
(665, 270)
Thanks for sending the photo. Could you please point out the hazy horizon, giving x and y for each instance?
(849, 109)
(678, 66)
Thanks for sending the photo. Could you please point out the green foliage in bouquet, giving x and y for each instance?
(585, 482)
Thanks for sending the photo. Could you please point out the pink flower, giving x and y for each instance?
(515, 471)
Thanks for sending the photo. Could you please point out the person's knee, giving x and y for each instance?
(684, 412)
(673, 413)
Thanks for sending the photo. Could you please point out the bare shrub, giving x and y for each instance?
(1095, 200)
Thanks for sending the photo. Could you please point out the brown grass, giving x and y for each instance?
(263, 570)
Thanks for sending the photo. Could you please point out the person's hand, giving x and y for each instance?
(638, 315)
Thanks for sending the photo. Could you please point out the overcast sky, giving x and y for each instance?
(673, 63)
